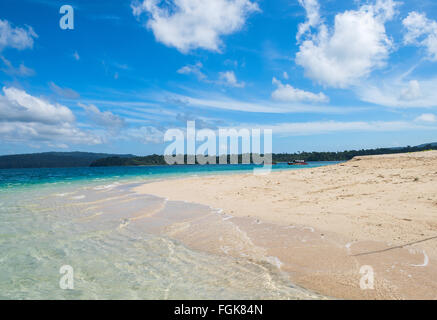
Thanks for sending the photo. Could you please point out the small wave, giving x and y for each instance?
(107, 186)
(275, 261)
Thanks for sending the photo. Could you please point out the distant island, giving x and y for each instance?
(53, 159)
(276, 157)
(88, 159)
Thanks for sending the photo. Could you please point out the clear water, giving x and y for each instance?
(78, 217)
(16, 178)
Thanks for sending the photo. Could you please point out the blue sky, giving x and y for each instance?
(323, 75)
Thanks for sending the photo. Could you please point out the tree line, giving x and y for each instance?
(276, 157)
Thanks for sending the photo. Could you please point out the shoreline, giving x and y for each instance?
(122, 177)
(367, 205)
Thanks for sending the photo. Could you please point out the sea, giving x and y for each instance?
(84, 233)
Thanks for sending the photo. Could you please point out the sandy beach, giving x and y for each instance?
(321, 225)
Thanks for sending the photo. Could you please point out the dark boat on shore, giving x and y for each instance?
(298, 163)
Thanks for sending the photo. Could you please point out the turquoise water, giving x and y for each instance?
(13, 179)
(91, 220)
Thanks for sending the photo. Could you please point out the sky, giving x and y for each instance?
(323, 75)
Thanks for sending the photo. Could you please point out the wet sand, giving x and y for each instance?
(321, 225)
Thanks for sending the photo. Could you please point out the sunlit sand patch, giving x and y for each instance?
(306, 254)
(407, 269)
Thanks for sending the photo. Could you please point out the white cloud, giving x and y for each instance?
(146, 134)
(209, 100)
(25, 118)
(21, 70)
(193, 69)
(229, 78)
(76, 56)
(150, 134)
(105, 119)
(421, 31)
(285, 75)
(63, 92)
(326, 127)
(226, 78)
(396, 92)
(191, 24)
(17, 105)
(16, 37)
(427, 117)
(40, 132)
(287, 93)
(412, 92)
(356, 45)
(312, 9)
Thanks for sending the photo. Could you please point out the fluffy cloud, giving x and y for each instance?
(39, 132)
(228, 78)
(25, 118)
(17, 105)
(191, 24)
(421, 31)
(15, 37)
(312, 9)
(287, 93)
(427, 117)
(105, 119)
(193, 69)
(356, 45)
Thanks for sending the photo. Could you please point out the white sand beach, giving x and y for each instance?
(323, 224)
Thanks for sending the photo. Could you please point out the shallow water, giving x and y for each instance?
(109, 236)
(90, 229)
(11, 179)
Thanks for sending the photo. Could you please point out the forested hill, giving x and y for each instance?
(134, 161)
(277, 157)
(86, 159)
(53, 160)
(347, 155)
